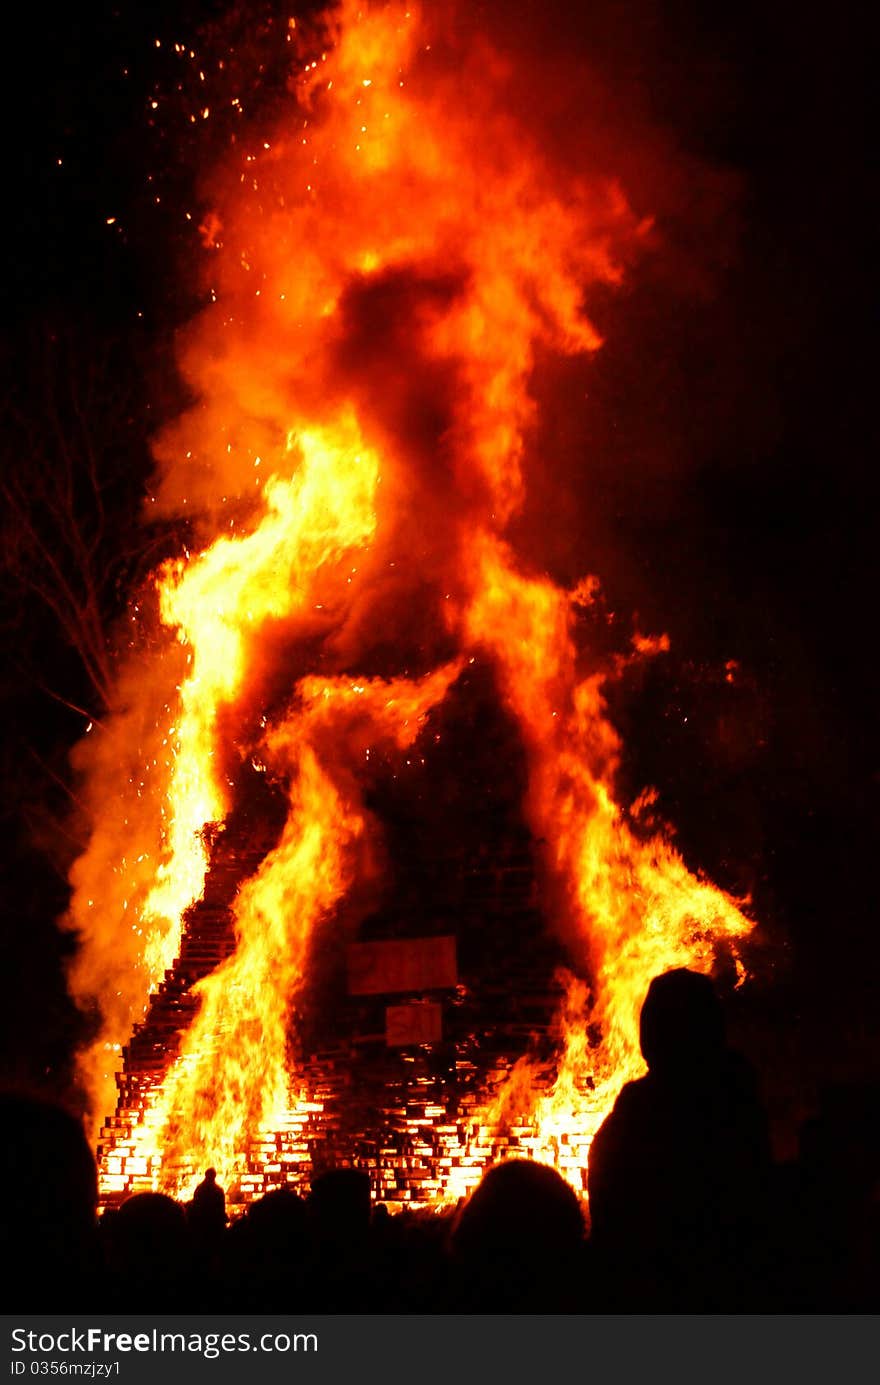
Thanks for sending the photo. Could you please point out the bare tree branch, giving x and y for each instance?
(71, 532)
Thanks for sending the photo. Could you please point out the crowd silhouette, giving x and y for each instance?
(688, 1213)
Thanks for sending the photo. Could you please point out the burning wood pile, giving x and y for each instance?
(383, 271)
(379, 1088)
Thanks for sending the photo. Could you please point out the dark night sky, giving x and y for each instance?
(748, 536)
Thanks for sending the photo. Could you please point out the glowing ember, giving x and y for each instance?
(383, 270)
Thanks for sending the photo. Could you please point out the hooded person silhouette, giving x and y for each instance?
(679, 1170)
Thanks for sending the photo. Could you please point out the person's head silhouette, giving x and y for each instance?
(681, 1024)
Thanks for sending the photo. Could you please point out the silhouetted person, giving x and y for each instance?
(48, 1207)
(148, 1255)
(207, 1210)
(206, 1219)
(267, 1253)
(339, 1205)
(679, 1171)
(518, 1243)
(339, 1220)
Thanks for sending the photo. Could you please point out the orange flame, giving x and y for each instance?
(233, 1073)
(384, 271)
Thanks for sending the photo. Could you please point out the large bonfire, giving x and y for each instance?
(383, 271)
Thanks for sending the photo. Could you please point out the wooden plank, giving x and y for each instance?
(412, 964)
